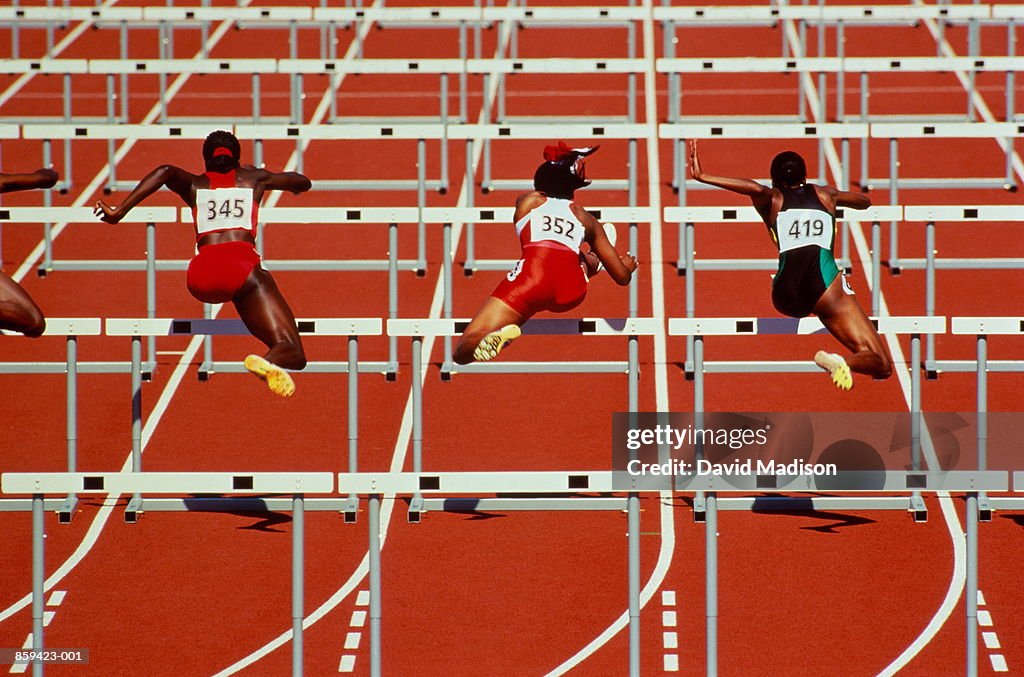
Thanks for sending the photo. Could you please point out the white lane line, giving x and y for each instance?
(668, 598)
(991, 640)
(998, 663)
(957, 536)
(48, 618)
(19, 668)
(981, 598)
(57, 598)
(363, 598)
(984, 618)
(668, 619)
(347, 664)
(352, 640)
(358, 619)
(404, 432)
(670, 640)
(671, 663)
(666, 512)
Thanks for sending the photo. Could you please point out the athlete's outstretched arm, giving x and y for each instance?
(290, 181)
(620, 268)
(40, 178)
(175, 178)
(845, 198)
(747, 187)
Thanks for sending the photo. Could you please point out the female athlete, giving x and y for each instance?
(225, 204)
(18, 312)
(562, 247)
(800, 217)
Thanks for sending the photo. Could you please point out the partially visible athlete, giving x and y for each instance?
(563, 245)
(18, 312)
(225, 203)
(801, 220)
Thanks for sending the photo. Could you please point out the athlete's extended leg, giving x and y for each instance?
(494, 326)
(268, 317)
(18, 312)
(843, 317)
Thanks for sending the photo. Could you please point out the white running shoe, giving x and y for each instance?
(493, 343)
(836, 366)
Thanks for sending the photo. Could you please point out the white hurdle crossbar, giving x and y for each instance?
(71, 328)
(352, 328)
(295, 484)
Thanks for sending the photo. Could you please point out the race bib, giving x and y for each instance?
(223, 208)
(561, 229)
(802, 227)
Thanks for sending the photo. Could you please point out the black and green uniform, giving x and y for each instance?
(805, 232)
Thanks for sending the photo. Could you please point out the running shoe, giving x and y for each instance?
(493, 343)
(278, 380)
(836, 366)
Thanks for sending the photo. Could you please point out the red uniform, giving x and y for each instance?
(550, 276)
(218, 271)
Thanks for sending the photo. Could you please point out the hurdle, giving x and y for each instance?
(376, 485)
(109, 131)
(955, 214)
(70, 328)
(418, 329)
(352, 328)
(698, 328)
(295, 484)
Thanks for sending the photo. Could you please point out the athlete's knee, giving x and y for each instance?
(884, 371)
(463, 352)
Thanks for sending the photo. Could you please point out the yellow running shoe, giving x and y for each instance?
(493, 343)
(837, 367)
(278, 380)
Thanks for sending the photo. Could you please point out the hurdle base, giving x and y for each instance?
(984, 509)
(931, 371)
(812, 503)
(66, 512)
(351, 509)
(700, 508)
(133, 510)
(416, 509)
(918, 509)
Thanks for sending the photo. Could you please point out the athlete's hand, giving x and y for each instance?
(630, 262)
(106, 212)
(695, 170)
(49, 176)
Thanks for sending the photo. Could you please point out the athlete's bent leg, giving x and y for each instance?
(843, 317)
(494, 317)
(18, 312)
(268, 318)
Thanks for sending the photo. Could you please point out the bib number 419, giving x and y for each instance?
(806, 228)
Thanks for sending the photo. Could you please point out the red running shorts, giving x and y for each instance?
(218, 271)
(546, 278)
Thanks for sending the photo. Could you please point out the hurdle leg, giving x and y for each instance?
(469, 265)
(894, 257)
(442, 186)
(446, 276)
(421, 201)
(699, 502)
(298, 524)
(416, 504)
(206, 366)
(67, 510)
(392, 370)
(972, 585)
(38, 579)
(876, 266)
(691, 293)
(984, 506)
(929, 298)
(352, 505)
(711, 583)
(633, 519)
(131, 512)
(917, 506)
(375, 588)
(147, 374)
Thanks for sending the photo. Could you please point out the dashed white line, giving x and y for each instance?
(668, 597)
(984, 618)
(347, 664)
(998, 663)
(671, 663)
(363, 598)
(981, 598)
(57, 598)
(358, 619)
(352, 640)
(668, 619)
(670, 640)
(48, 617)
(991, 640)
